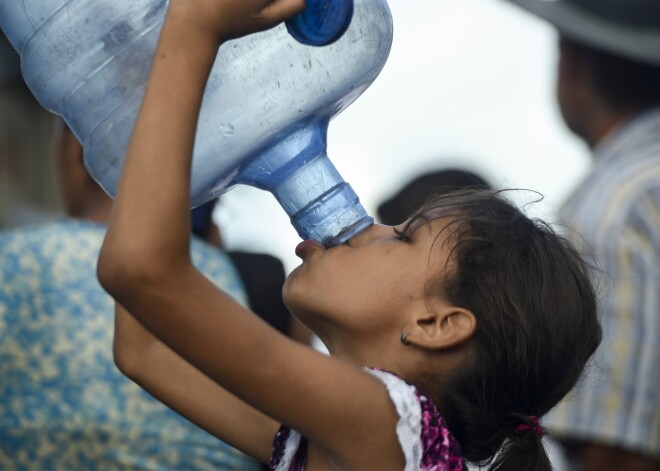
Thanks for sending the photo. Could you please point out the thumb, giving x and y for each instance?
(281, 10)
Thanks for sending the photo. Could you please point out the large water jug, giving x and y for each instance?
(266, 107)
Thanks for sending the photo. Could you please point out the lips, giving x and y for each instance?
(307, 246)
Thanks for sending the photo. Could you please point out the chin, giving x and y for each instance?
(302, 305)
(293, 294)
(290, 285)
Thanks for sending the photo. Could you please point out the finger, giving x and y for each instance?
(280, 10)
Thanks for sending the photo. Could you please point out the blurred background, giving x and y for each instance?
(468, 84)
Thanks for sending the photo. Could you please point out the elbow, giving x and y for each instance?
(123, 361)
(130, 364)
(107, 270)
(130, 359)
(114, 272)
(128, 263)
(123, 272)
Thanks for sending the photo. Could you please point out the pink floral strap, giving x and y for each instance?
(427, 443)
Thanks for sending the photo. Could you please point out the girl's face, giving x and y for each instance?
(369, 284)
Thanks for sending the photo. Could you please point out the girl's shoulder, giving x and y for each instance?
(425, 439)
(426, 442)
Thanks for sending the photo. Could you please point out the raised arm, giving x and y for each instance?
(145, 263)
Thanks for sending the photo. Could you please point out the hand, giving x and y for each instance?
(228, 19)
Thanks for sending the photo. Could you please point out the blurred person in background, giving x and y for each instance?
(418, 191)
(609, 95)
(27, 189)
(63, 403)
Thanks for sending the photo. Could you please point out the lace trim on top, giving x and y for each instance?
(285, 446)
(409, 426)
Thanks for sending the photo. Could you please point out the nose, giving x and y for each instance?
(372, 232)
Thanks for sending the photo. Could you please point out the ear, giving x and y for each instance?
(443, 328)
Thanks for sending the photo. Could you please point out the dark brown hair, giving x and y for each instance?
(537, 327)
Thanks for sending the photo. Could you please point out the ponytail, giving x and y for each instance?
(524, 449)
(510, 443)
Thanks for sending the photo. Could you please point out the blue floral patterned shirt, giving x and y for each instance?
(63, 403)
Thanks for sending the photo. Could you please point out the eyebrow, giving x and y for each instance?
(429, 216)
(418, 222)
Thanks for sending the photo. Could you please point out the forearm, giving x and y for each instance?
(176, 383)
(131, 342)
(156, 171)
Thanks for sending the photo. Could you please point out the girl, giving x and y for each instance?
(473, 320)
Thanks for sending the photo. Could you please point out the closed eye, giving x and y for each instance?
(401, 235)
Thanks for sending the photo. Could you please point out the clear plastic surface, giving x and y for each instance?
(266, 107)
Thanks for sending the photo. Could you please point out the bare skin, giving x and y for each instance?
(194, 348)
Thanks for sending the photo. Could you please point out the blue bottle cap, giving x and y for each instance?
(322, 22)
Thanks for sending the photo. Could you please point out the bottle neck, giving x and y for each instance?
(298, 172)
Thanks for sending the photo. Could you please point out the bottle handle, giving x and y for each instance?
(322, 22)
